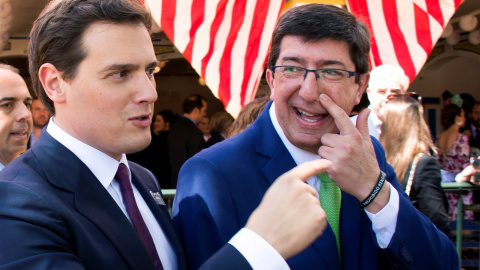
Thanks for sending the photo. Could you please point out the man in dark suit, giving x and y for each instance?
(185, 139)
(474, 115)
(317, 71)
(73, 201)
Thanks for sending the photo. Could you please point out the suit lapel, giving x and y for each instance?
(64, 170)
(350, 231)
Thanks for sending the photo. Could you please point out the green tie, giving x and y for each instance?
(331, 200)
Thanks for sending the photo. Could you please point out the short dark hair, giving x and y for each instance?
(192, 102)
(315, 22)
(56, 35)
(448, 115)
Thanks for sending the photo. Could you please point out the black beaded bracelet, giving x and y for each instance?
(375, 190)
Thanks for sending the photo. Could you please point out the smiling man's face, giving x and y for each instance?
(301, 116)
(15, 116)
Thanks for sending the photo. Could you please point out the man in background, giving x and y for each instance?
(474, 114)
(384, 81)
(40, 117)
(15, 116)
(185, 139)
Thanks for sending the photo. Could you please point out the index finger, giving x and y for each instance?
(307, 169)
(339, 115)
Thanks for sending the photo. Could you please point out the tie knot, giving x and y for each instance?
(122, 177)
(324, 178)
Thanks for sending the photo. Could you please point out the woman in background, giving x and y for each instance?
(221, 123)
(454, 151)
(408, 148)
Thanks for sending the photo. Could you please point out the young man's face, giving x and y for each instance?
(475, 115)
(39, 114)
(109, 102)
(299, 112)
(15, 116)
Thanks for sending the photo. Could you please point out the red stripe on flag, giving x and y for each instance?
(259, 18)
(168, 17)
(399, 44)
(220, 14)
(238, 16)
(360, 9)
(433, 8)
(422, 28)
(197, 18)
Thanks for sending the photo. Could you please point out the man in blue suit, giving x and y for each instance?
(317, 71)
(73, 201)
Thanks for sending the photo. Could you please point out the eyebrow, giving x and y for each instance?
(127, 66)
(14, 99)
(320, 63)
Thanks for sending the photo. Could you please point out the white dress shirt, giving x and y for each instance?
(383, 223)
(104, 168)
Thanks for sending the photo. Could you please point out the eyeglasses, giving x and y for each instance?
(299, 74)
(408, 94)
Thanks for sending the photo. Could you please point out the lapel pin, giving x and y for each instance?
(158, 198)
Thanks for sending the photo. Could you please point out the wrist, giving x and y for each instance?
(375, 191)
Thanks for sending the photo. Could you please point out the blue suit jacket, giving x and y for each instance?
(221, 186)
(54, 214)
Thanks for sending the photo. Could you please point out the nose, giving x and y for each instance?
(309, 89)
(23, 113)
(147, 90)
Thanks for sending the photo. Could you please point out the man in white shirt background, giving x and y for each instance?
(384, 81)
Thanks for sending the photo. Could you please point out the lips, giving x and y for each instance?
(144, 120)
(309, 117)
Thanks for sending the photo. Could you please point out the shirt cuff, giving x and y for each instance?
(385, 221)
(258, 252)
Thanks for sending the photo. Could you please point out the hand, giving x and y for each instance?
(353, 165)
(290, 217)
(467, 174)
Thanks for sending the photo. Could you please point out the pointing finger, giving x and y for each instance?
(341, 118)
(307, 169)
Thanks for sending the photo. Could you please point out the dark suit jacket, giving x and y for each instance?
(221, 186)
(184, 141)
(54, 214)
(427, 194)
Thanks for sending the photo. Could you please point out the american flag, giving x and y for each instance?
(403, 31)
(225, 41)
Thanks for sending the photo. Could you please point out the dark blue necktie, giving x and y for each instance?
(137, 220)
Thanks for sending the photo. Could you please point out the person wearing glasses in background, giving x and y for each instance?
(384, 81)
(317, 71)
(409, 147)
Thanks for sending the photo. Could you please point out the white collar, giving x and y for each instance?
(102, 165)
(299, 155)
(375, 120)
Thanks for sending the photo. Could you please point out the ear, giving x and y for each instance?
(51, 80)
(362, 86)
(271, 82)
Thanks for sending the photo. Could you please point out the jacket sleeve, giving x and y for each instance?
(416, 243)
(33, 235)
